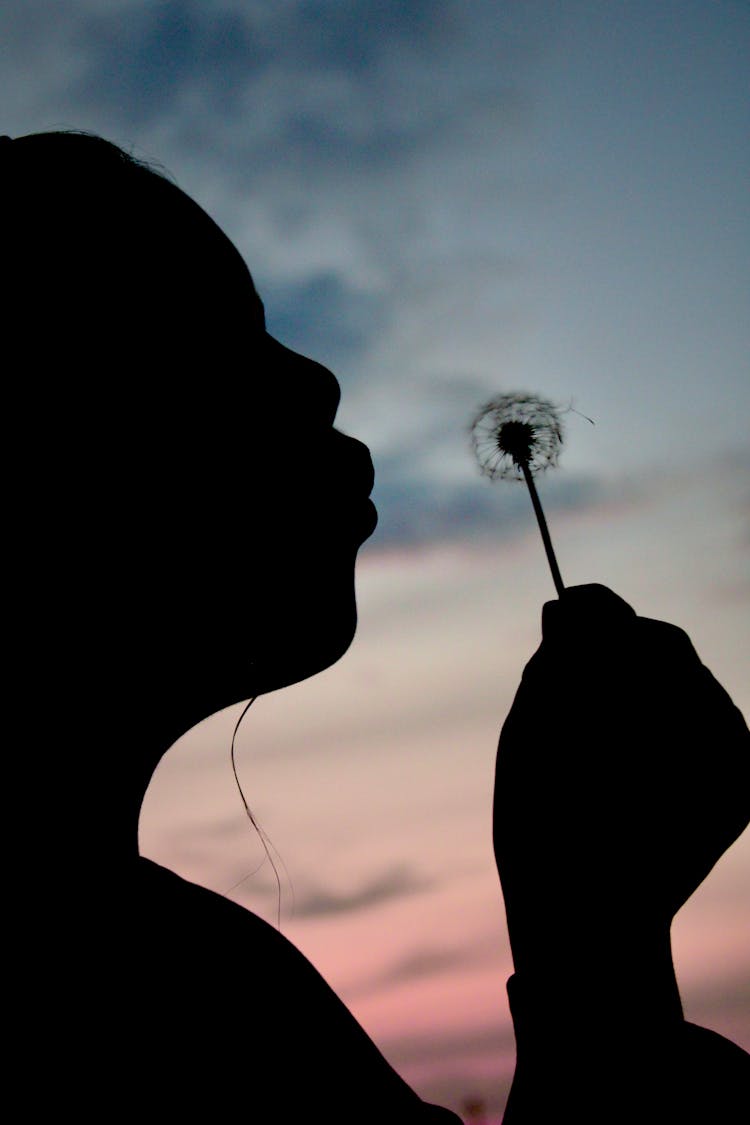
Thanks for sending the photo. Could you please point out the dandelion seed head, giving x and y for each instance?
(516, 429)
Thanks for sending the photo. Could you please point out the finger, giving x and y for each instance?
(591, 608)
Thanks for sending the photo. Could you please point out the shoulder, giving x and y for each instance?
(716, 1072)
(200, 916)
(257, 1003)
(220, 939)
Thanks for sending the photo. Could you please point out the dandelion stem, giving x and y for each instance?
(556, 576)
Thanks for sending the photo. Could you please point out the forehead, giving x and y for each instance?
(224, 270)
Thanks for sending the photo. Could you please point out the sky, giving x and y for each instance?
(442, 201)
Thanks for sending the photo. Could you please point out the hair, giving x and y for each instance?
(98, 238)
(117, 281)
(113, 271)
(125, 301)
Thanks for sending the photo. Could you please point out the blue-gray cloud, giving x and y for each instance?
(140, 61)
(322, 316)
(370, 158)
(417, 511)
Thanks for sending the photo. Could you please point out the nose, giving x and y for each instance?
(313, 391)
(312, 395)
(356, 463)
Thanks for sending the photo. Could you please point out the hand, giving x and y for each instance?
(623, 773)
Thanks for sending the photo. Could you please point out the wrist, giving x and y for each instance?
(587, 1043)
(599, 974)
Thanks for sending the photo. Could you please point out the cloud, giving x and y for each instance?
(323, 316)
(368, 158)
(331, 139)
(142, 58)
(427, 962)
(394, 883)
(416, 510)
(256, 883)
(416, 966)
(320, 136)
(497, 1037)
(727, 997)
(450, 1069)
(142, 62)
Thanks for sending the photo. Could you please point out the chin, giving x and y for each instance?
(308, 645)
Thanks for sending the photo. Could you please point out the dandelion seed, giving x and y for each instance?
(513, 430)
(515, 436)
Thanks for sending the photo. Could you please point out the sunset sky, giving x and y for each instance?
(441, 201)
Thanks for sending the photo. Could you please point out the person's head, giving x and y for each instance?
(181, 501)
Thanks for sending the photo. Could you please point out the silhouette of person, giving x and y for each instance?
(183, 522)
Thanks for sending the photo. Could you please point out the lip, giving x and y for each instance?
(368, 520)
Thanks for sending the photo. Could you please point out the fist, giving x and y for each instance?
(623, 771)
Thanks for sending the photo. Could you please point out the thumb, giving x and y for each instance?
(585, 612)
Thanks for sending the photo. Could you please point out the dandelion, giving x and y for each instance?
(515, 436)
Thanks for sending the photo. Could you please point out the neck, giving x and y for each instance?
(84, 761)
(87, 785)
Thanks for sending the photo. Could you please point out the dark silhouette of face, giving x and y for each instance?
(200, 511)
